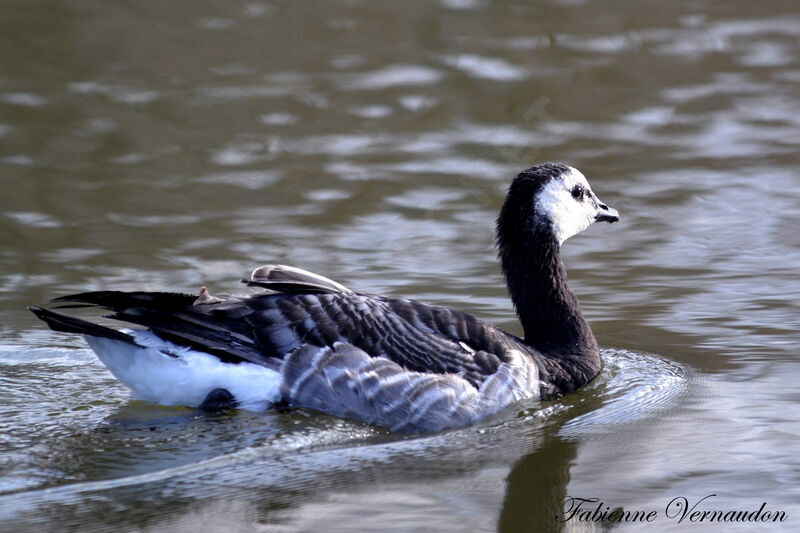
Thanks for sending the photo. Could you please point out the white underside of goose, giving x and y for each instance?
(159, 371)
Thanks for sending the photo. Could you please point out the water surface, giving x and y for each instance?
(152, 146)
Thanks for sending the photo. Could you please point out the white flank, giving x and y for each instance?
(186, 376)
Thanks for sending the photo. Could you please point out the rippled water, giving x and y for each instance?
(172, 146)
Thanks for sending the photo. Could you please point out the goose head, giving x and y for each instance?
(552, 199)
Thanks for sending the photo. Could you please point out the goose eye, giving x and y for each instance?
(577, 192)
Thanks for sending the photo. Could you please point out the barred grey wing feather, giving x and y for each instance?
(344, 380)
(285, 278)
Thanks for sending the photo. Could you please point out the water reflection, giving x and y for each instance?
(168, 457)
(531, 506)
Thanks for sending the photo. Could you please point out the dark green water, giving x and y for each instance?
(155, 145)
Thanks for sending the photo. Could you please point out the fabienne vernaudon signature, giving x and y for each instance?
(679, 509)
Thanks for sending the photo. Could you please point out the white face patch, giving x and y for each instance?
(567, 214)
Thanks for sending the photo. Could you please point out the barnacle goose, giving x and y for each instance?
(303, 340)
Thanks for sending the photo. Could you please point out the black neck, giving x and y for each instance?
(549, 311)
(547, 308)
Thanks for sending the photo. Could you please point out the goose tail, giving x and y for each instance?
(160, 371)
(70, 324)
